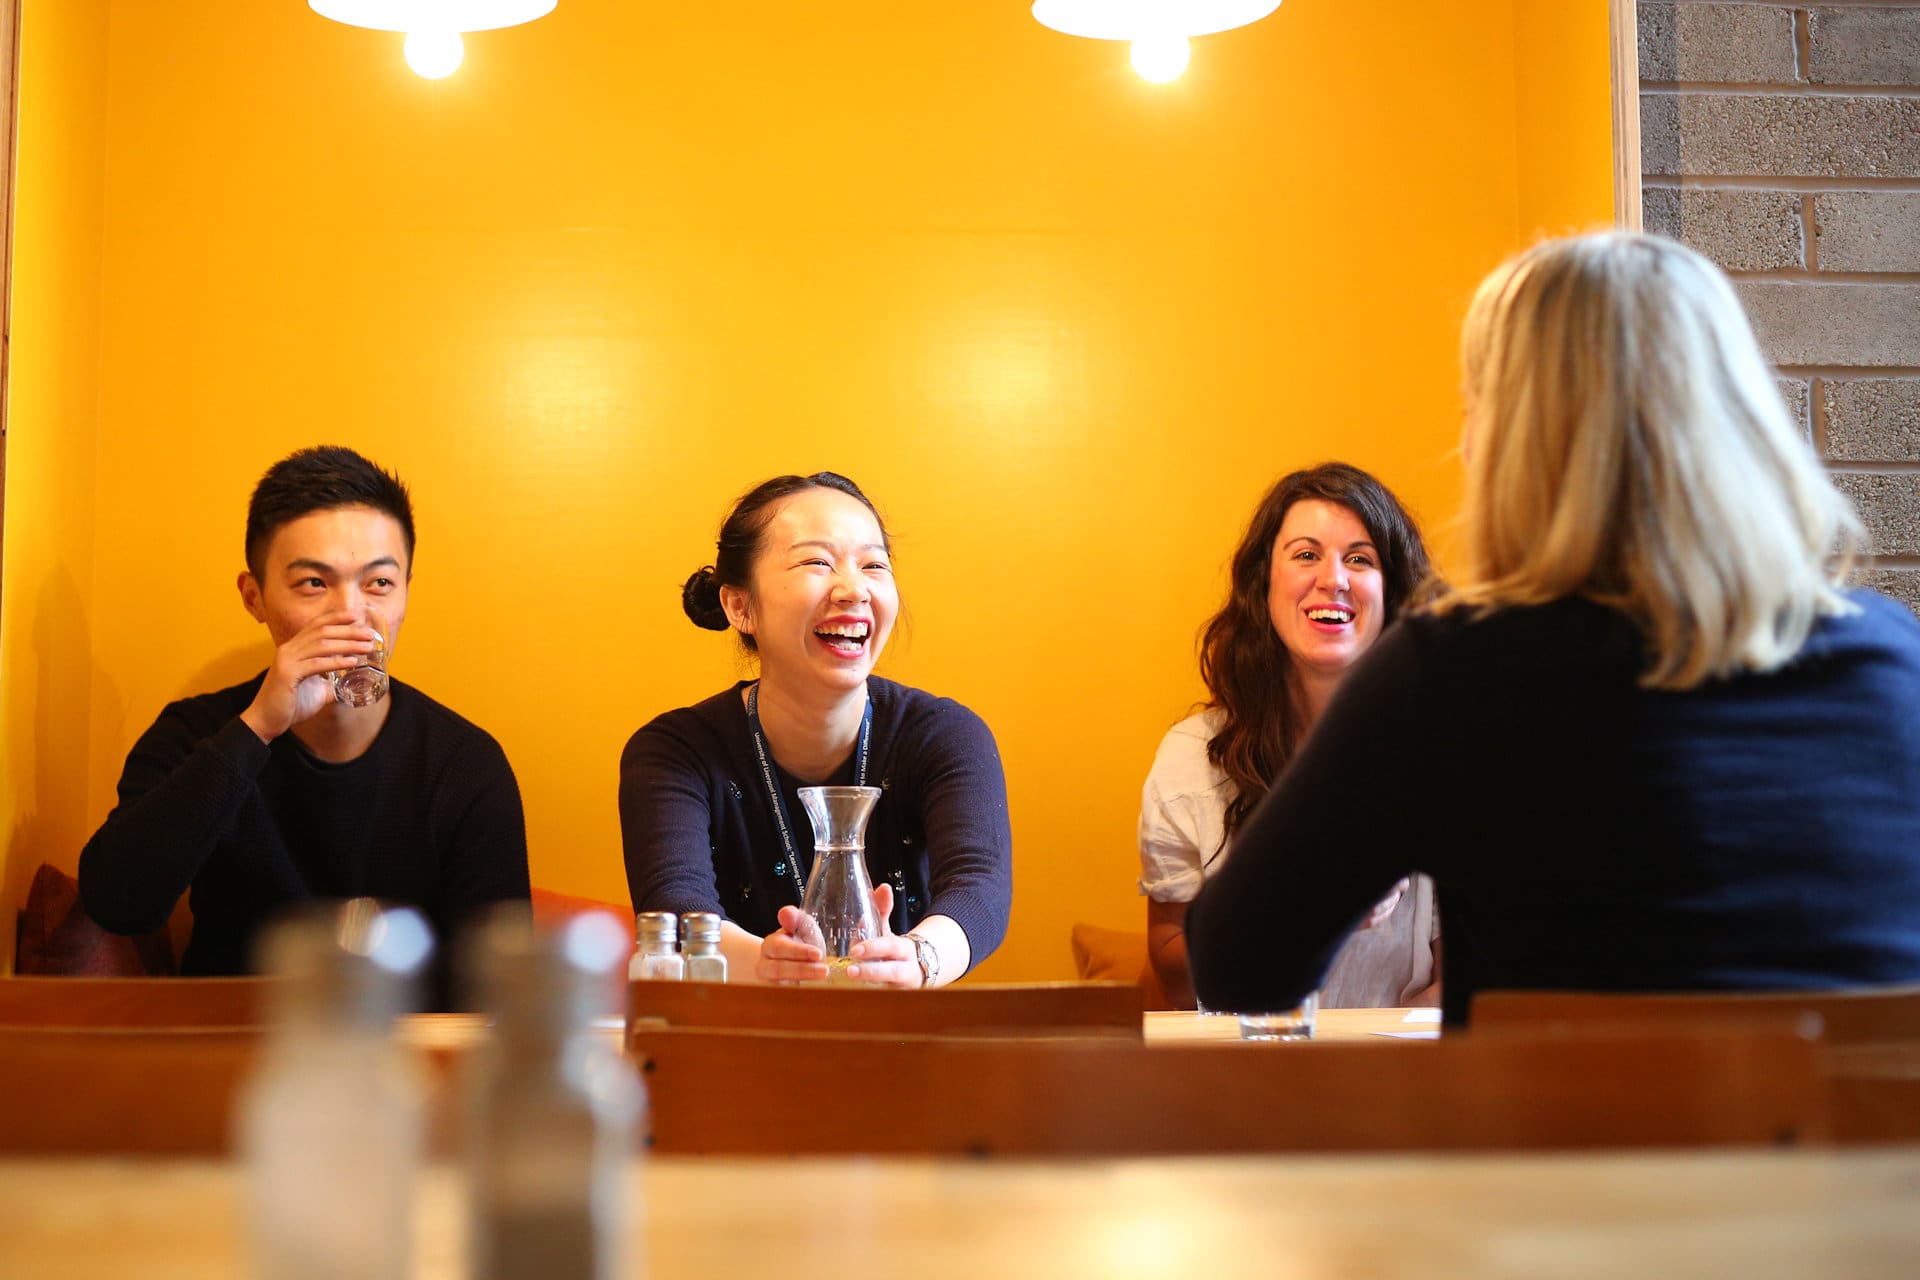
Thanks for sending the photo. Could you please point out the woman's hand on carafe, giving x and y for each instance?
(794, 953)
(797, 951)
(886, 960)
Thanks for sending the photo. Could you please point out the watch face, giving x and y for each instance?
(926, 956)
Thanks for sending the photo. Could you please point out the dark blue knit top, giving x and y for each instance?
(700, 835)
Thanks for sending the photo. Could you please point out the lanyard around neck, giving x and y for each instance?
(772, 781)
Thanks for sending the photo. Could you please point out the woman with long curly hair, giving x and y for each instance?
(1328, 560)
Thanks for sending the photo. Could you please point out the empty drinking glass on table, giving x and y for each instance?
(365, 683)
(1284, 1024)
(839, 897)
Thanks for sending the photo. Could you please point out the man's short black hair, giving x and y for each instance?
(320, 479)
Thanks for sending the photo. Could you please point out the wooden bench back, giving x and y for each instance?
(1850, 1016)
(775, 1093)
(134, 1002)
(77, 1091)
(1113, 1009)
(1870, 1060)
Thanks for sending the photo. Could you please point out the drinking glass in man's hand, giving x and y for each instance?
(364, 683)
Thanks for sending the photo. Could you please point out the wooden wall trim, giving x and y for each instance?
(1623, 19)
(9, 80)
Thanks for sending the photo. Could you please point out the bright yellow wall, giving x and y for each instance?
(47, 658)
(632, 258)
(1565, 116)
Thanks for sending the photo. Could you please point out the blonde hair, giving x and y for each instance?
(1625, 441)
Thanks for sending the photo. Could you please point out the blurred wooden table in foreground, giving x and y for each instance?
(1758, 1216)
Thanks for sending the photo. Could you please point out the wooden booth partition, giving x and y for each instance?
(135, 1002)
(1111, 1009)
(733, 1092)
(1870, 1052)
(77, 1091)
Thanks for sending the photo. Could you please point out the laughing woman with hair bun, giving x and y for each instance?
(804, 575)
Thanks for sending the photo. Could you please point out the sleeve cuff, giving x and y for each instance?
(1173, 889)
(978, 918)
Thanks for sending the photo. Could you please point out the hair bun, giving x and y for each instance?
(700, 597)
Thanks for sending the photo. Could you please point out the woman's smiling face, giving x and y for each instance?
(1325, 593)
(823, 599)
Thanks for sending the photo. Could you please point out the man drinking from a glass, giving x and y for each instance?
(321, 777)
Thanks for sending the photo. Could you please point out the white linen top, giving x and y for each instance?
(1183, 810)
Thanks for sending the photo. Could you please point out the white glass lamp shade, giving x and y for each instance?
(432, 15)
(1161, 58)
(434, 55)
(1134, 19)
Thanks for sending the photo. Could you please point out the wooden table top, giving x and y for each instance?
(1755, 1216)
(1384, 1025)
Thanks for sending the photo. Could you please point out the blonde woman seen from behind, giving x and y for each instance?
(1645, 741)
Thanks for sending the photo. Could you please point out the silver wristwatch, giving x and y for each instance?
(929, 959)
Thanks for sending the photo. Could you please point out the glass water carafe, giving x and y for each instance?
(839, 897)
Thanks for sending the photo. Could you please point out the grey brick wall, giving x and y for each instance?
(1872, 419)
(1866, 44)
(1783, 141)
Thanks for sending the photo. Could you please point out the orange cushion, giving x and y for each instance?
(57, 938)
(550, 908)
(1117, 955)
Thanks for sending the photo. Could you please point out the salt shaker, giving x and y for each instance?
(658, 957)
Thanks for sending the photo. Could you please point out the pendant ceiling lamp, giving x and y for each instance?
(434, 48)
(1158, 29)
